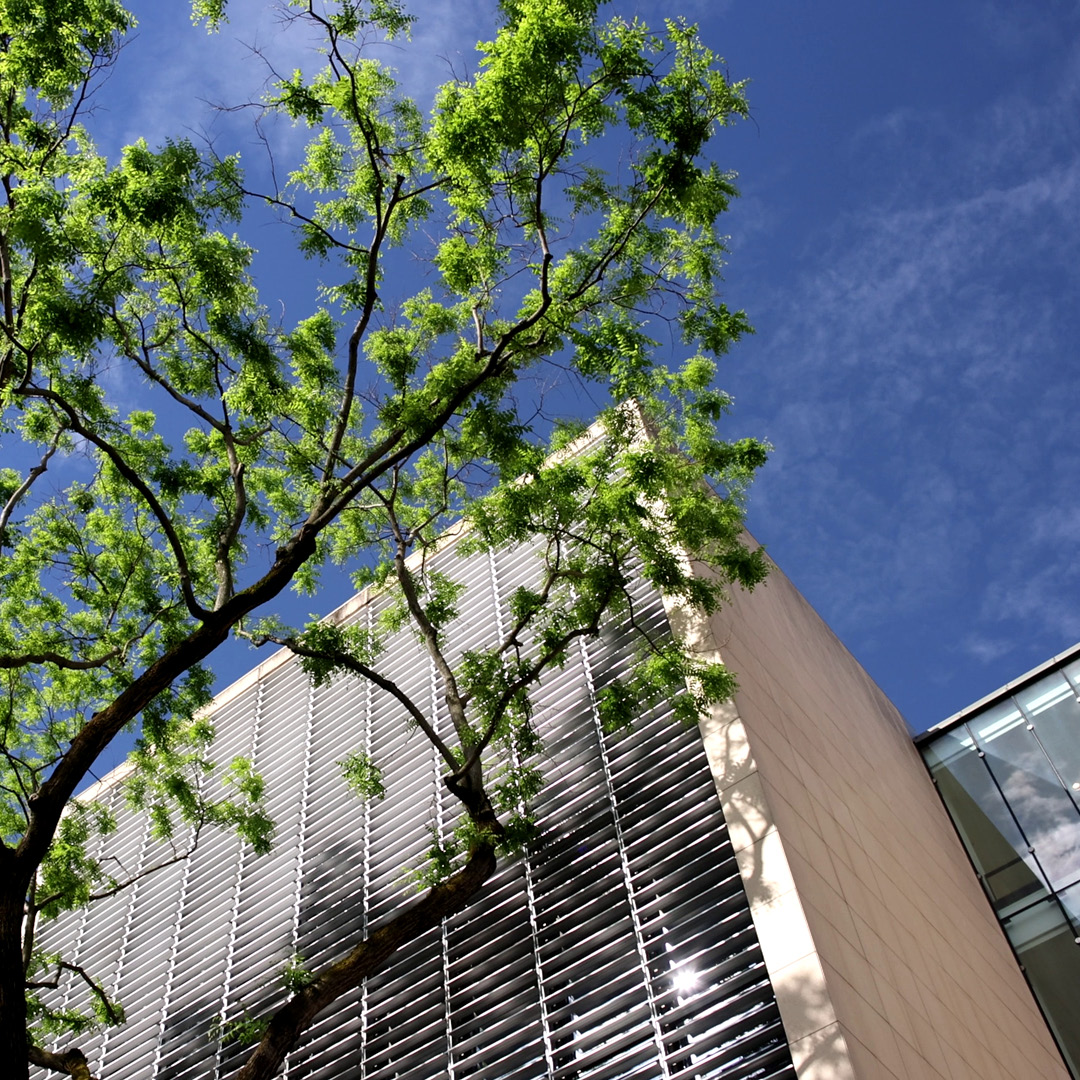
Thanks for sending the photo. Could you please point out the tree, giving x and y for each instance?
(562, 201)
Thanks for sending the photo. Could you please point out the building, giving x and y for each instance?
(778, 894)
(1008, 770)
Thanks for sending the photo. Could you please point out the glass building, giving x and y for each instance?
(1008, 770)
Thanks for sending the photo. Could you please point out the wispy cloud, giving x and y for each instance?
(928, 366)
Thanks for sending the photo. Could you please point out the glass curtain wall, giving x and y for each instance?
(1009, 776)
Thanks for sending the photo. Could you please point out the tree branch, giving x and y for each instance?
(355, 666)
(371, 296)
(113, 1015)
(441, 901)
(428, 633)
(24, 487)
(131, 475)
(138, 356)
(71, 1062)
(26, 659)
(532, 673)
(273, 200)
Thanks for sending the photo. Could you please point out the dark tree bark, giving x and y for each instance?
(290, 1021)
(13, 888)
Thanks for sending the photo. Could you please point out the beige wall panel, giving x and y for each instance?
(905, 974)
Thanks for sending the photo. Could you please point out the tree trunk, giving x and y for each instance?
(12, 981)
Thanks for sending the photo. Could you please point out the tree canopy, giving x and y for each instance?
(563, 203)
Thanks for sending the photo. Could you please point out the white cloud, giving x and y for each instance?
(985, 649)
(928, 362)
(172, 78)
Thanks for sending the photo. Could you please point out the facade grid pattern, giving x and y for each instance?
(620, 945)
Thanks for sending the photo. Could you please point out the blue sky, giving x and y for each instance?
(907, 245)
(908, 248)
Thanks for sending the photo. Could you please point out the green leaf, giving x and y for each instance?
(362, 775)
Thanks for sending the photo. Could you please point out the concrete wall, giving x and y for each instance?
(887, 962)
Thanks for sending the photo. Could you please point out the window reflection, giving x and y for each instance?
(1054, 712)
(1045, 946)
(1010, 779)
(994, 842)
(1033, 790)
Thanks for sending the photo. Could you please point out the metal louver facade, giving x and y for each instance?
(621, 944)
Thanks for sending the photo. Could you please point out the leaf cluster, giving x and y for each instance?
(174, 458)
